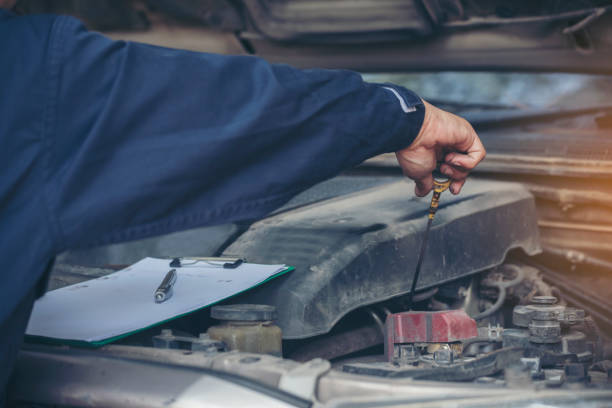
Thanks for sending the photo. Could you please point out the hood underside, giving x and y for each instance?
(424, 35)
(368, 35)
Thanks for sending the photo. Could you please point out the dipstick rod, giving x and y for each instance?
(441, 183)
(415, 278)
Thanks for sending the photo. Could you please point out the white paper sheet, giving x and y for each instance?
(122, 302)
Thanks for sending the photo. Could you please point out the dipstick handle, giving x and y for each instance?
(441, 184)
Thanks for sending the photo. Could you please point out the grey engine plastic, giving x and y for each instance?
(361, 248)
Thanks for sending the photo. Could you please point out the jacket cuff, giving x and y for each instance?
(404, 115)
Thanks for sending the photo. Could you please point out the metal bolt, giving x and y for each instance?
(408, 353)
(444, 356)
(495, 332)
(533, 364)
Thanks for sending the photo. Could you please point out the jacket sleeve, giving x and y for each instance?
(144, 140)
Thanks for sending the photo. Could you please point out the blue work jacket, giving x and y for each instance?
(106, 141)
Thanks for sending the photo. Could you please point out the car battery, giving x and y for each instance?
(407, 331)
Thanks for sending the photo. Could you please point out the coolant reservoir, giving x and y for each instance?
(248, 328)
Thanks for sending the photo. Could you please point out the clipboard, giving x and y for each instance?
(103, 310)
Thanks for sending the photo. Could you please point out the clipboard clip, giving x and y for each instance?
(218, 262)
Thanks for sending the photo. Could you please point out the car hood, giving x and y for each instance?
(375, 35)
(369, 35)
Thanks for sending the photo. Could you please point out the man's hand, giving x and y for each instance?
(443, 137)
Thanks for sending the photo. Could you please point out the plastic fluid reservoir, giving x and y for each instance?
(248, 328)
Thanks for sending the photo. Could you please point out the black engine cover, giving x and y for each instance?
(361, 248)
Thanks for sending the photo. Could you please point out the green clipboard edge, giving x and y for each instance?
(95, 344)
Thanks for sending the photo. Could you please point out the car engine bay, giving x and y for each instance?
(513, 306)
(490, 312)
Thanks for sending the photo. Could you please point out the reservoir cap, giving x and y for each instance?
(243, 312)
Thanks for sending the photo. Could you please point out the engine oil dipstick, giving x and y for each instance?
(441, 184)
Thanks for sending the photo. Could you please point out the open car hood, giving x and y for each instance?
(374, 35)
(369, 35)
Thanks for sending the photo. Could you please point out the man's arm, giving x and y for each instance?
(147, 140)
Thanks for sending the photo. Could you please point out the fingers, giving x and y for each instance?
(457, 176)
(456, 186)
(452, 172)
(423, 186)
(472, 156)
(458, 165)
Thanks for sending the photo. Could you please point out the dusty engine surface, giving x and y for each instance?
(361, 249)
(485, 319)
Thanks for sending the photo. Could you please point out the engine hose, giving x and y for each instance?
(475, 340)
(419, 297)
(518, 278)
(501, 287)
(377, 320)
(501, 298)
(468, 342)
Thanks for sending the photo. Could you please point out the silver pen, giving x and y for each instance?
(164, 291)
